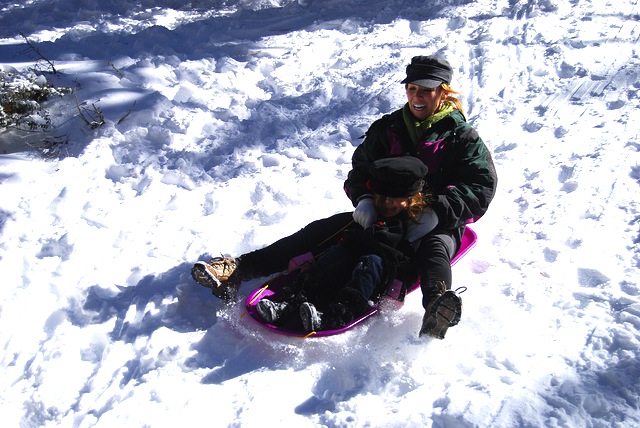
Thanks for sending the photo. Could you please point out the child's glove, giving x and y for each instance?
(365, 212)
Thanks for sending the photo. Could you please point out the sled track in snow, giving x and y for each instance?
(611, 85)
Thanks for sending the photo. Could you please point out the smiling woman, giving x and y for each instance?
(461, 177)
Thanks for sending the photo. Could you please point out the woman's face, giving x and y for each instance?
(423, 102)
(390, 207)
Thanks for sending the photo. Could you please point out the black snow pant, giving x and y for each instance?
(433, 262)
(316, 237)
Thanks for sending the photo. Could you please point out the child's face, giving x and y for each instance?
(390, 207)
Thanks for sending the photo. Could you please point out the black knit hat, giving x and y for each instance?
(428, 71)
(398, 177)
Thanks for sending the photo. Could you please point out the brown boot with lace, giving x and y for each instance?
(443, 311)
(220, 275)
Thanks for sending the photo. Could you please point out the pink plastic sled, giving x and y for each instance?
(271, 288)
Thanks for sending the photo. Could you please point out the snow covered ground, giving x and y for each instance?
(230, 124)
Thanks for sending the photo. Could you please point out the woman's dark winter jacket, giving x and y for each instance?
(461, 179)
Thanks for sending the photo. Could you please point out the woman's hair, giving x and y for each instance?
(449, 92)
(414, 207)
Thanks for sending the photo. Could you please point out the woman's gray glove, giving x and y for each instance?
(425, 224)
(365, 212)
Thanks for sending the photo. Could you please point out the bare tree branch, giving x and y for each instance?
(37, 51)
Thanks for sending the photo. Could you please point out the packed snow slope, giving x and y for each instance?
(230, 124)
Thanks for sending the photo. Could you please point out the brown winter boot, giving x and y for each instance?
(443, 312)
(218, 276)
